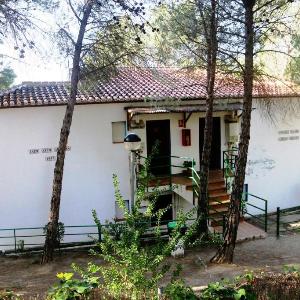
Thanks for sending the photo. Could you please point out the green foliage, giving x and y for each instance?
(69, 288)
(134, 269)
(218, 291)
(209, 240)
(7, 77)
(238, 289)
(293, 67)
(121, 36)
(177, 290)
(180, 25)
(115, 229)
(295, 269)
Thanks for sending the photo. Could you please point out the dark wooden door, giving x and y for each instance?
(158, 134)
(215, 159)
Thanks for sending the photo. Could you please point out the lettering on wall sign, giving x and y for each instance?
(47, 150)
(288, 135)
(34, 151)
(50, 158)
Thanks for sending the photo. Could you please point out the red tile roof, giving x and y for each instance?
(137, 85)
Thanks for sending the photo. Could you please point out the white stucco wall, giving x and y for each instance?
(26, 179)
(273, 170)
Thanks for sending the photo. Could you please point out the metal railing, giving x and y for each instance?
(163, 173)
(258, 206)
(284, 221)
(249, 201)
(229, 164)
(33, 237)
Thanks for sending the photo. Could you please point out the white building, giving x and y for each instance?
(152, 103)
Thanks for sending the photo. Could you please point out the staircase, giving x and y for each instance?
(219, 199)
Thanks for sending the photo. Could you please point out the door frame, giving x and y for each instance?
(219, 142)
(168, 122)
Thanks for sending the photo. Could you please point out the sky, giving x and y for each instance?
(35, 67)
(43, 63)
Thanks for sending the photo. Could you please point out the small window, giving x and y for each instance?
(118, 131)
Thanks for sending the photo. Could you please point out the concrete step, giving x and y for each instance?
(218, 211)
(216, 186)
(215, 180)
(215, 173)
(219, 196)
(224, 203)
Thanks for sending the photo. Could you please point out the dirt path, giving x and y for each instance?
(26, 276)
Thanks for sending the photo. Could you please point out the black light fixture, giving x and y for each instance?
(132, 142)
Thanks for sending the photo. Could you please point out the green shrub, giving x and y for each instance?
(70, 289)
(221, 291)
(295, 269)
(177, 290)
(132, 269)
(238, 289)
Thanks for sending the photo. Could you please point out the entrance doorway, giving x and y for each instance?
(158, 135)
(215, 158)
(163, 202)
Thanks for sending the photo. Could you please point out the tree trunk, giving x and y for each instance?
(51, 235)
(212, 48)
(225, 253)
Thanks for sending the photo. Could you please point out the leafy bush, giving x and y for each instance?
(69, 288)
(208, 240)
(132, 269)
(238, 289)
(177, 290)
(221, 291)
(295, 269)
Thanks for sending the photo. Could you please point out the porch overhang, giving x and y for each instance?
(186, 110)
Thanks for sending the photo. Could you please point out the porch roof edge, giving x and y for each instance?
(218, 107)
